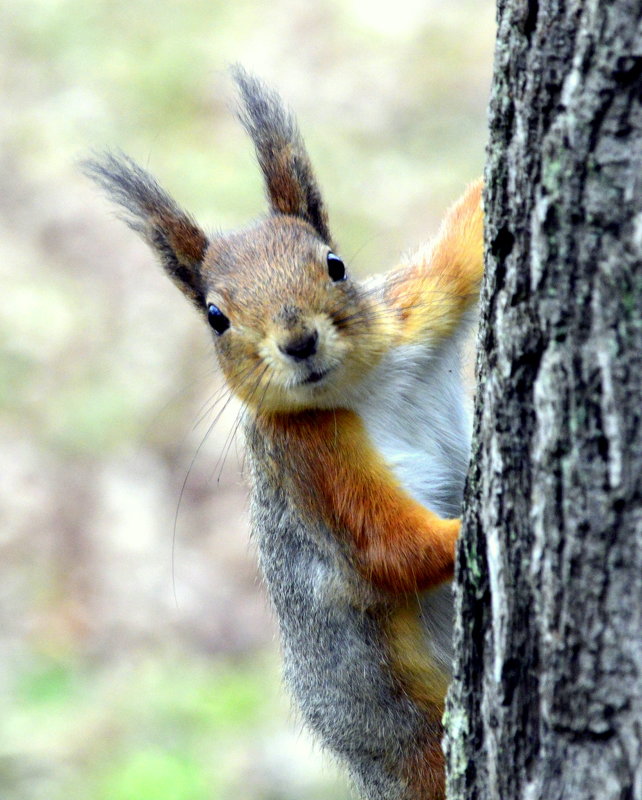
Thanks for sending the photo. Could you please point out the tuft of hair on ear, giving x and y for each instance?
(145, 207)
(289, 178)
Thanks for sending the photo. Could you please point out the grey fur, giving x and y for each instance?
(281, 153)
(147, 209)
(332, 636)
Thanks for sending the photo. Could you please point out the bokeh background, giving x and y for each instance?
(138, 657)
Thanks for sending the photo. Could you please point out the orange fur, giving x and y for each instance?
(442, 280)
(398, 544)
(426, 772)
(421, 676)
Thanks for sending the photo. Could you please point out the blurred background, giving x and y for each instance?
(138, 656)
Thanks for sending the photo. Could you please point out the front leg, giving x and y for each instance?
(397, 544)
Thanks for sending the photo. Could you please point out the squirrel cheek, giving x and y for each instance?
(333, 347)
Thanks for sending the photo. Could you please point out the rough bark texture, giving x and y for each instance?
(547, 697)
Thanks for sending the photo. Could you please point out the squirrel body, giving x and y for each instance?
(357, 439)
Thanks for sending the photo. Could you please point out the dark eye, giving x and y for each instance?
(217, 319)
(336, 268)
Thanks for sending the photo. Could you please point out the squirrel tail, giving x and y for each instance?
(459, 248)
(440, 282)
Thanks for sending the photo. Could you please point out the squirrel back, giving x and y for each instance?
(357, 438)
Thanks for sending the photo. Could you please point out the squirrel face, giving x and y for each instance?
(286, 317)
(292, 330)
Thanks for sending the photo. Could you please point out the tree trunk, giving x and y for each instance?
(547, 697)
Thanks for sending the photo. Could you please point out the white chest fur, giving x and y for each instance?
(413, 408)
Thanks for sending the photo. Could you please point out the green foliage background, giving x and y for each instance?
(138, 658)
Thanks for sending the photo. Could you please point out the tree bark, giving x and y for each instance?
(546, 701)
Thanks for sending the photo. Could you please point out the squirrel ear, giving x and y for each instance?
(289, 178)
(171, 233)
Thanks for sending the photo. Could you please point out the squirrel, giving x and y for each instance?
(357, 438)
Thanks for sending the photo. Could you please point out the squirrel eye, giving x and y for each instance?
(336, 268)
(217, 319)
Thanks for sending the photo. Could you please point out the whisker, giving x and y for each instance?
(228, 444)
(352, 257)
(173, 399)
(208, 406)
(377, 313)
(228, 398)
(232, 438)
(259, 408)
(232, 432)
(436, 297)
(381, 286)
(224, 391)
(180, 500)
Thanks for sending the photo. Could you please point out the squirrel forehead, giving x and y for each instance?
(278, 248)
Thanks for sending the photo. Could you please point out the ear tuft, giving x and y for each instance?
(171, 233)
(289, 177)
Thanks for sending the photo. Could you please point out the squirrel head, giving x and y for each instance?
(289, 325)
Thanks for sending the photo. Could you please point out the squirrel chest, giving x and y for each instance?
(412, 410)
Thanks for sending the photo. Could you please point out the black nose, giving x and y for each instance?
(302, 348)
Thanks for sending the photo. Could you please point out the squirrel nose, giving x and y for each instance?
(302, 348)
